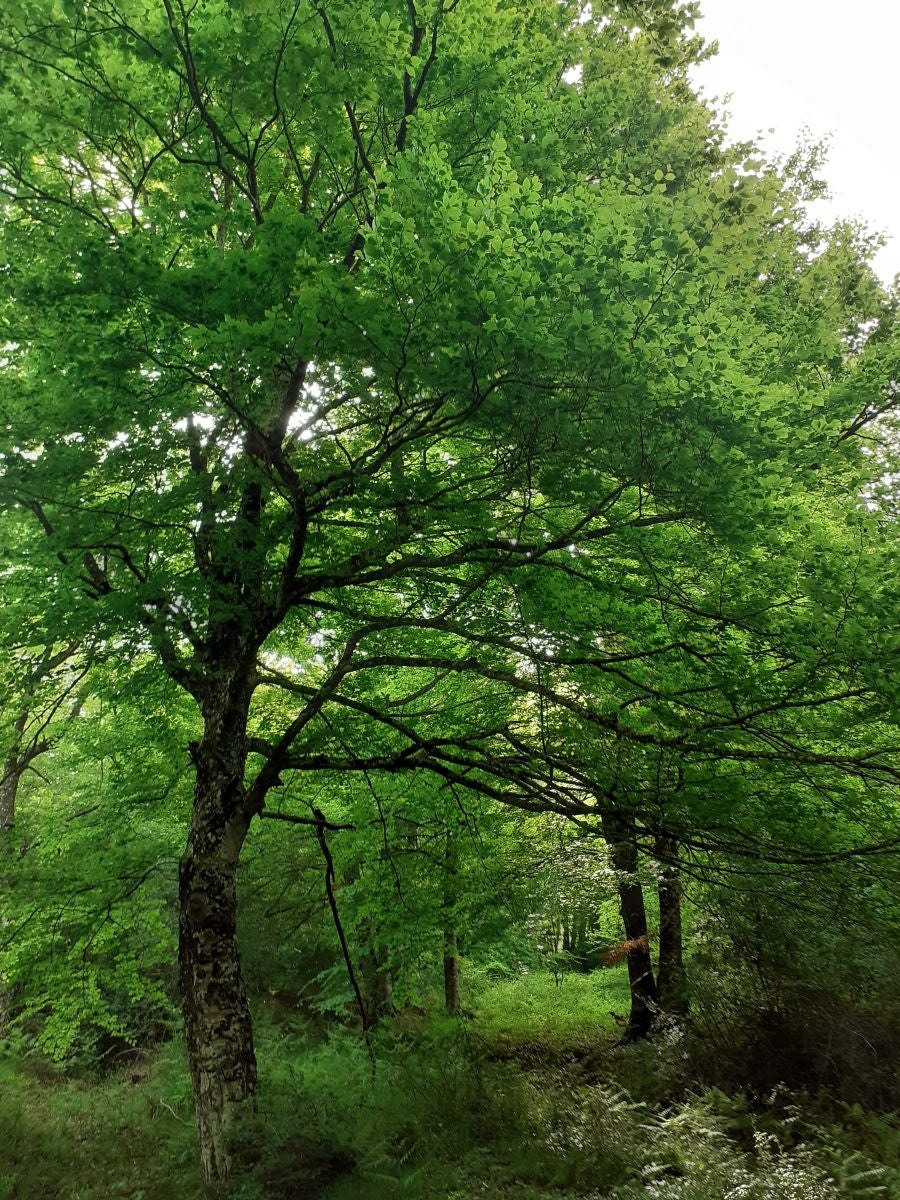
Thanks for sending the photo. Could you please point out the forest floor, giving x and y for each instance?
(529, 1097)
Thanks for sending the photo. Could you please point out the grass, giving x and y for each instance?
(449, 1115)
(322, 1120)
(128, 1135)
(536, 1011)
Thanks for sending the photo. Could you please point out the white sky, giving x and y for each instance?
(831, 67)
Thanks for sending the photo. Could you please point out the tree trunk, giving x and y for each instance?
(216, 1013)
(451, 937)
(378, 983)
(623, 855)
(13, 770)
(9, 787)
(383, 992)
(579, 938)
(451, 974)
(671, 979)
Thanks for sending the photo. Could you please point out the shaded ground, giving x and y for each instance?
(529, 1098)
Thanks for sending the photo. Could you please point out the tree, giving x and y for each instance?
(340, 337)
(86, 947)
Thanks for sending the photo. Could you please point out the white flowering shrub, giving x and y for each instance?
(606, 1145)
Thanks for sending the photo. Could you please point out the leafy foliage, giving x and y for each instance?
(428, 451)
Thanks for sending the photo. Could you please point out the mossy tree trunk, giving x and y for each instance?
(218, 1024)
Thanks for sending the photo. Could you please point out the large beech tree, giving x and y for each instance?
(356, 349)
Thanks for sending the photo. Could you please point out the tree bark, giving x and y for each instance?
(217, 1018)
(383, 992)
(9, 788)
(451, 936)
(623, 855)
(378, 982)
(8, 791)
(13, 770)
(671, 978)
(451, 974)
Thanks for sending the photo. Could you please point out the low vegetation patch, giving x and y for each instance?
(488, 1106)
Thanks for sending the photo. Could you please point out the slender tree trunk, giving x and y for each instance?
(378, 983)
(579, 938)
(451, 937)
(9, 787)
(623, 855)
(451, 974)
(383, 992)
(217, 1018)
(671, 979)
(13, 769)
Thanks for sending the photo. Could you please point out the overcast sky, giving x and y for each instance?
(834, 68)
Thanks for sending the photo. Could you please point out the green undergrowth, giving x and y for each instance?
(432, 1111)
(128, 1134)
(550, 1016)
